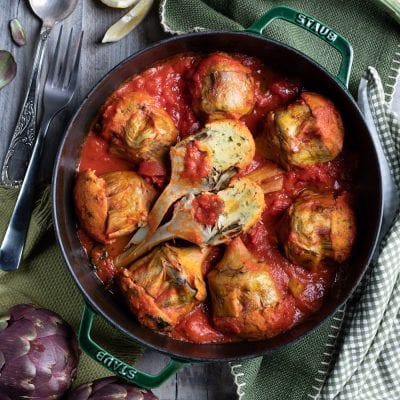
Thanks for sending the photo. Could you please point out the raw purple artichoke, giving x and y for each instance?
(111, 388)
(39, 354)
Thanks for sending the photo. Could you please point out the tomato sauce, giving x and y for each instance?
(95, 155)
(168, 83)
(207, 208)
(195, 163)
(272, 90)
(197, 327)
(154, 172)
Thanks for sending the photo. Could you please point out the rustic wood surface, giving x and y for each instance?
(197, 382)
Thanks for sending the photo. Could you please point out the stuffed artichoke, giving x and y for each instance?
(308, 131)
(113, 204)
(245, 298)
(165, 285)
(204, 161)
(137, 128)
(223, 87)
(317, 228)
(206, 219)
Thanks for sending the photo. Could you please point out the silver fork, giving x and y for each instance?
(59, 88)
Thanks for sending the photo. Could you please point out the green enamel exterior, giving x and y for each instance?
(317, 28)
(115, 365)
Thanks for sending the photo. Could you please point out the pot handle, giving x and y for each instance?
(117, 366)
(317, 28)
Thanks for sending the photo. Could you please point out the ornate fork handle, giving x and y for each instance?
(13, 243)
(22, 141)
(56, 96)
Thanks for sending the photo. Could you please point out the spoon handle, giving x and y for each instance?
(23, 138)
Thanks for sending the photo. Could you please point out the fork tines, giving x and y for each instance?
(63, 73)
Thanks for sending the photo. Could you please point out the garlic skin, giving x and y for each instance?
(128, 22)
(17, 32)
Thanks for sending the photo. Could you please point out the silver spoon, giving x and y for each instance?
(22, 141)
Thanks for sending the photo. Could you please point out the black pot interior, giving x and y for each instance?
(315, 78)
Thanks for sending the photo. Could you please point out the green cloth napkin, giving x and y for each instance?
(43, 279)
(368, 353)
(319, 365)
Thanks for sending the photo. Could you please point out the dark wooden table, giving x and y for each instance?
(197, 382)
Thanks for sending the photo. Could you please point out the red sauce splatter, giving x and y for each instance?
(207, 208)
(272, 90)
(258, 240)
(86, 241)
(101, 256)
(103, 263)
(313, 286)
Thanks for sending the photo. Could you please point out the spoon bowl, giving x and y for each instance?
(51, 12)
(23, 139)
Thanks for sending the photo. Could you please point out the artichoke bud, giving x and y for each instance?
(139, 129)
(113, 204)
(223, 87)
(39, 354)
(307, 131)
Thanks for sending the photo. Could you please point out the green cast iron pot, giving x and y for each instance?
(250, 42)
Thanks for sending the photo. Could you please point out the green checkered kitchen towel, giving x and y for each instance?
(368, 353)
(355, 353)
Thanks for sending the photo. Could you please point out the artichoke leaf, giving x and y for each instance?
(269, 177)
(8, 68)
